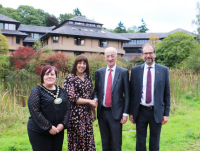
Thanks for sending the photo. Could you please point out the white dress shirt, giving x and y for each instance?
(143, 99)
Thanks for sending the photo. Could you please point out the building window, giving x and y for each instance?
(17, 40)
(78, 41)
(1, 25)
(79, 23)
(55, 39)
(10, 26)
(76, 53)
(103, 43)
(99, 26)
(71, 22)
(35, 35)
(92, 25)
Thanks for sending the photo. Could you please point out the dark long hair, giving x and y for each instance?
(78, 59)
(44, 70)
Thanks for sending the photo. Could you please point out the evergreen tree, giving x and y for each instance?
(120, 28)
(143, 28)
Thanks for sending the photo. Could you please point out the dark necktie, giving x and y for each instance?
(148, 89)
(109, 89)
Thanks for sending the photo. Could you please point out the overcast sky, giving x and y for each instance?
(159, 15)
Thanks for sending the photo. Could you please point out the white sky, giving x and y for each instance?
(159, 15)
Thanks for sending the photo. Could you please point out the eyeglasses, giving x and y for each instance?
(148, 53)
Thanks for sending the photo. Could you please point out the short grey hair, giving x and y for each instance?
(111, 48)
(148, 44)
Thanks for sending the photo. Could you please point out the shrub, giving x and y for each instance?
(4, 48)
(4, 65)
(21, 57)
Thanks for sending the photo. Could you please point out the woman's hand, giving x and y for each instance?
(93, 117)
(93, 102)
(60, 127)
(53, 130)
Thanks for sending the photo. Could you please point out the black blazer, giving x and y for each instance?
(161, 91)
(120, 91)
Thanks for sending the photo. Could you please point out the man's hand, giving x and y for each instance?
(123, 120)
(60, 127)
(164, 120)
(131, 119)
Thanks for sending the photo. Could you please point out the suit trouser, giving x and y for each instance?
(111, 131)
(146, 116)
(42, 142)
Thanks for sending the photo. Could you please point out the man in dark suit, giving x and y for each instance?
(112, 92)
(149, 99)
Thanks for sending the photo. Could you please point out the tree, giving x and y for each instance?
(51, 20)
(4, 65)
(197, 22)
(132, 29)
(154, 39)
(77, 12)
(65, 16)
(143, 28)
(21, 57)
(4, 48)
(174, 49)
(120, 28)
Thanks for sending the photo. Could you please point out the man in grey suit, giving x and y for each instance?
(149, 99)
(112, 92)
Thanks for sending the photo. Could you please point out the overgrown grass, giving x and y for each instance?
(181, 133)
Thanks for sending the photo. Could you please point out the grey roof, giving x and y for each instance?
(83, 19)
(85, 31)
(38, 29)
(7, 19)
(147, 35)
(29, 39)
(12, 32)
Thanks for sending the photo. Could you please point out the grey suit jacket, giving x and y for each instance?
(161, 91)
(120, 91)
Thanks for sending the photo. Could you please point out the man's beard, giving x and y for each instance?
(149, 62)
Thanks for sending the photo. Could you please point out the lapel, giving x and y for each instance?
(117, 73)
(157, 71)
(141, 72)
(103, 72)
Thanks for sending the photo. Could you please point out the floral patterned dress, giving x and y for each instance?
(80, 132)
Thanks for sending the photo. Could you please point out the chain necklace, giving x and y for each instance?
(57, 100)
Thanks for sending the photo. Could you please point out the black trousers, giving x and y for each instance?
(111, 131)
(42, 142)
(145, 117)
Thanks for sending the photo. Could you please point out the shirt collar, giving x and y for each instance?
(113, 68)
(152, 66)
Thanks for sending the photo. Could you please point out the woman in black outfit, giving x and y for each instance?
(50, 112)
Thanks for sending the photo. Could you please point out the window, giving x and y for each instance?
(1, 25)
(55, 39)
(78, 41)
(17, 40)
(103, 43)
(85, 29)
(92, 25)
(99, 26)
(71, 22)
(36, 36)
(79, 23)
(10, 26)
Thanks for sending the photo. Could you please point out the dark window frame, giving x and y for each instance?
(78, 41)
(101, 43)
(17, 40)
(55, 39)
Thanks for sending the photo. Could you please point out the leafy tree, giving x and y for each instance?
(4, 48)
(51, 20)
(197, 22)
(77, 12)
(193, 61)
(4, 65)
(174, 48)
(143, 28)
(132, 29)
(108, 29)
(154, 39)
(65, 16)
(21, 57)
(120, 28)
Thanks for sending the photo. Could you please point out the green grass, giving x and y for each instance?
(181, 133)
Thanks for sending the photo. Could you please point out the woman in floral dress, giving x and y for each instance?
(78, 85)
